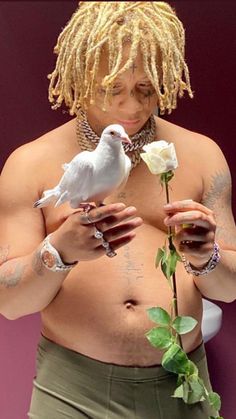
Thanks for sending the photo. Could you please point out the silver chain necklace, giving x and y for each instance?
(88, 139)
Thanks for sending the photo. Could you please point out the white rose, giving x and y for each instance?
(160, 157)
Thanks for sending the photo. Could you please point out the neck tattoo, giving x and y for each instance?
(88, 139)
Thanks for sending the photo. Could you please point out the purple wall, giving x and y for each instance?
(28, 34)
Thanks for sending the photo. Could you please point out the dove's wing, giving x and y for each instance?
(78, 178)
(126, 171)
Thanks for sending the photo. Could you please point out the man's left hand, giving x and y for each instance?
(195, 227)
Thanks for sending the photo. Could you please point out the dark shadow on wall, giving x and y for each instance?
(28, 35)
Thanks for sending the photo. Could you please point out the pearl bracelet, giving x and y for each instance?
(211, 264)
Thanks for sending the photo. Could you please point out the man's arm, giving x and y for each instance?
(220, 284)
(209, 221)
(26, 286)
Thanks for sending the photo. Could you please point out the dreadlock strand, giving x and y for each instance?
(98, 26)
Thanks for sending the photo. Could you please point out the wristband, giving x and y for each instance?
(211, 264)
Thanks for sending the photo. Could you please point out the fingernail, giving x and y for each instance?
(167, 206)
(119, 207)
(130, 210)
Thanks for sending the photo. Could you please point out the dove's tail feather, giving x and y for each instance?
(48, 196)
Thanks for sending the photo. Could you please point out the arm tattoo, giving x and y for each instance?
(12, 274)
(218, 199)
(121, 195)
(220, 189)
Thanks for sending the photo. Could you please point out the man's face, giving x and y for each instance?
(133, 100)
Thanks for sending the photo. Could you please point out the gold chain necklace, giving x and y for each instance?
(88, 139)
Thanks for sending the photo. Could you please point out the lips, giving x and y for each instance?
(129, 121)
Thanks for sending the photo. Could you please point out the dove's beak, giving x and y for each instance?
(126, 139)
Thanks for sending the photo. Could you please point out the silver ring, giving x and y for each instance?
(105, 244)
(98, 234)
(110, 253)
(85, 215)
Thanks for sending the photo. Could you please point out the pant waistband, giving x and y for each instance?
(91, 366)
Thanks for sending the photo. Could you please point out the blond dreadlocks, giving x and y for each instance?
(151, 26)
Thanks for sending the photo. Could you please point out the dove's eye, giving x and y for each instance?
(112, 132)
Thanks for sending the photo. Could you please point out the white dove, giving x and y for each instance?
(92, 175)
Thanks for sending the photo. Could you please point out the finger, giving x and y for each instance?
(206, 237)
(187, 204)
(100, 213)
(198, 250)
(116, 244)
(123, 229)
(190, 217)
(126, 215)
(197, 233)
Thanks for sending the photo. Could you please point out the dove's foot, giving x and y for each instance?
(86, 206)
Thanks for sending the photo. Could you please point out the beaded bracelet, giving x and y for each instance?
(211, 264)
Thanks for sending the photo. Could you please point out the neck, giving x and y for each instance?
(95, 125)
(88, 138)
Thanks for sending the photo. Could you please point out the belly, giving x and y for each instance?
(101, 309)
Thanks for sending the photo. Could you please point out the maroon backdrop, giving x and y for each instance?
(28, 33)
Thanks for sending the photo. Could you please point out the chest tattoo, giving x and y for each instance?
(130, 270)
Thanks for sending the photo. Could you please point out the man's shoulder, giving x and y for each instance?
(185, 139)
(47, 146)
(193, 147)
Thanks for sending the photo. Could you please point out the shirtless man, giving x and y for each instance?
(92, 356)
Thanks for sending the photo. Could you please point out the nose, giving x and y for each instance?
(131, 104)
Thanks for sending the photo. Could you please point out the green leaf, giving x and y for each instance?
(167, 176)
(159, 337)
(192, 392)
(185, 391)
(159, 256)
(168, 264)
(173, 261)
(197, 391)
(214, 400)
(175, 360)
(184, 324)
(159, 315)
(193, 369)
(179, 392)
(180, 379)
(179, 258)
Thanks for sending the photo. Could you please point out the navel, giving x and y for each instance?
(129, 304)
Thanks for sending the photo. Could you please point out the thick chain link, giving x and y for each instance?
(88, 139)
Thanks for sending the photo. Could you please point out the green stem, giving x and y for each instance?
(173, 279)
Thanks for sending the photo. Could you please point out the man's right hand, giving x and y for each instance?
(75, 241)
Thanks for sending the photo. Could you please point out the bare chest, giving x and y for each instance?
(142, 190)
